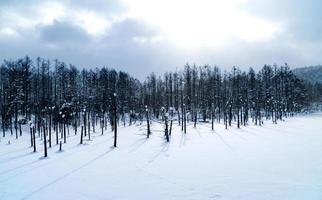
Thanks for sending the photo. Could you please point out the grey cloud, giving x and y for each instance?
(124, 31)
(121, 50)
(63, 32)
(299, 45)
(302, 19)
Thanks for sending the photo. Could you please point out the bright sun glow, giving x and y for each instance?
(192, 23)
(91, 22)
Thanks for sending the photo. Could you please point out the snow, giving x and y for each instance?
(281, 161)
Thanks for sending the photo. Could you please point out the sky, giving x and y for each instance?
(144, 36)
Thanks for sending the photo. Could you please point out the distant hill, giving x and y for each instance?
(312, 74)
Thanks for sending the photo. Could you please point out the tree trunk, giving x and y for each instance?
(45, 143)
(81, 139)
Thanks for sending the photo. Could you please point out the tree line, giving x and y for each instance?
(53, 97)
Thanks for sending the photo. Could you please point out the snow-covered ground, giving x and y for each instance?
(282, 161)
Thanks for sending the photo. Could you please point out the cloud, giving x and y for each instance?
(63, 32)
(145, 36)
(301, 19)
(127, 30)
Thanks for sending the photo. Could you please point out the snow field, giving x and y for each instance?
(282, 161)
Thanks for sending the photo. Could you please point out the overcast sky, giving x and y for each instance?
(141, 36)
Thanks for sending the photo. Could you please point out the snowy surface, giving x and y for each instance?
(282, 161)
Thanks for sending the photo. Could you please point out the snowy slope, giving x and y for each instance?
(282, 161)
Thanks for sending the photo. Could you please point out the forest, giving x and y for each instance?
(56, 99)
